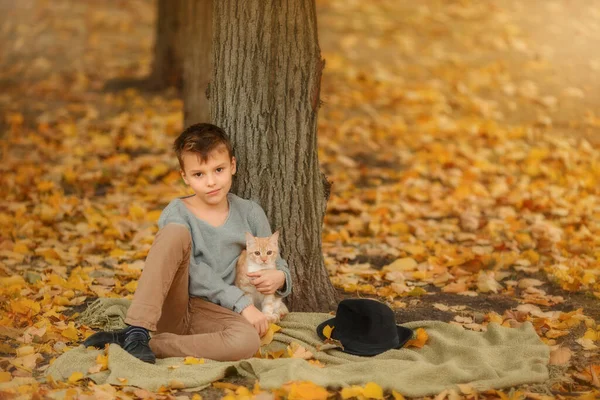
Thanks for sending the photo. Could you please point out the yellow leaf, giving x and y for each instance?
(420, 340)
(373, 391)
(352, 391)
(419, 275)
(591, 334)
(25, 306)
(102, 360)
(305, 390)
(193, 360)
(75, 376)
(5, 376)
(21, 248)
(131, 286)
(122, 381)
(176, 384)
(316, 363)
(401, 264)
(397, 396)
(268, 338)
(12, 280)
(196, 396)
(327, 331)
(137, 213)
(243, 391)
(25, 351)
(70, 332)
(416, 292)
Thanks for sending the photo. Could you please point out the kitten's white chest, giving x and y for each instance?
(253, 267)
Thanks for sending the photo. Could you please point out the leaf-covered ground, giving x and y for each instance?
(462, 139)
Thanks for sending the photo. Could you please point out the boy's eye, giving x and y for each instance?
(257, 253)
(198, 174)
(269, 252)
(219, 169)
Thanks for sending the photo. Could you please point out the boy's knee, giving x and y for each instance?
(244, 343)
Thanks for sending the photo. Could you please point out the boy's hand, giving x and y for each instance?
(257, 319)
(267, 281)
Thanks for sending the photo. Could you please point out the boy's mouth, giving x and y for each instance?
(213, 192)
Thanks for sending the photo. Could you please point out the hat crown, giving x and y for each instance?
(367, 321)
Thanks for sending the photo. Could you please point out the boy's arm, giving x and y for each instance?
(260, 224)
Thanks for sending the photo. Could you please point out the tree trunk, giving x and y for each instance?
(265, 93)
(167, 67)
(198, 59)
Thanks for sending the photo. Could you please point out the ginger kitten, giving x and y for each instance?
(260, 254)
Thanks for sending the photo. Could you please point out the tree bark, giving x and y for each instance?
(167, 67)
(265, 93)
(198, 60)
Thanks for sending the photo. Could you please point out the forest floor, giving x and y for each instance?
(462, 139)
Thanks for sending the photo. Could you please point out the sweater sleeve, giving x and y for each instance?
(170, 216)
(205, 282)
(261, 228)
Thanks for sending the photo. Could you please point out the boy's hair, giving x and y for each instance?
(201, 139)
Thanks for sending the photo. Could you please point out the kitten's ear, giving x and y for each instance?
(274, 237)
(250, 240)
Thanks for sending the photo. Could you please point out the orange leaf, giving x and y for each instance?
(560, 356)
(420, 340)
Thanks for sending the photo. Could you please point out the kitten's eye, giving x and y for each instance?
(257, 253)
(269, 252)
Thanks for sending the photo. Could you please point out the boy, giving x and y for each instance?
(186, 292)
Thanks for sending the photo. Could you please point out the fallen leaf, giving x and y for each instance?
(192, 360)
(327, 331)
(420, 339)
(560, 356)
(75, 377)
(268, 337)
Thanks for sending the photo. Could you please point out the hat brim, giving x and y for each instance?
(404, 335)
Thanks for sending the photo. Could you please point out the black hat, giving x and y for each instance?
(365, 327)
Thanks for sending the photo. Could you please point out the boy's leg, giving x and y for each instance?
(215, 332)
(163, 285)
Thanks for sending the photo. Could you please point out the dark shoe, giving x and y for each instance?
(136, 344)
(132, 339)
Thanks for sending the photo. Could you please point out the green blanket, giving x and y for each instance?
(501, 357)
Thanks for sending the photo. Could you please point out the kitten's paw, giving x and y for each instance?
(272, 318)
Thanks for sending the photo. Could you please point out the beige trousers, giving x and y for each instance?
(184, 325)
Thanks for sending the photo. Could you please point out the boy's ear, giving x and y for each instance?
(233, 166)
(182, 172)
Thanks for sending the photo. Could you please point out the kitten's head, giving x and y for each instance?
(262, 251)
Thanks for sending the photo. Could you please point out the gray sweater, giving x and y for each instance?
(215, 250)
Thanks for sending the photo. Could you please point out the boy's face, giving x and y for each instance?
(210, 180)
